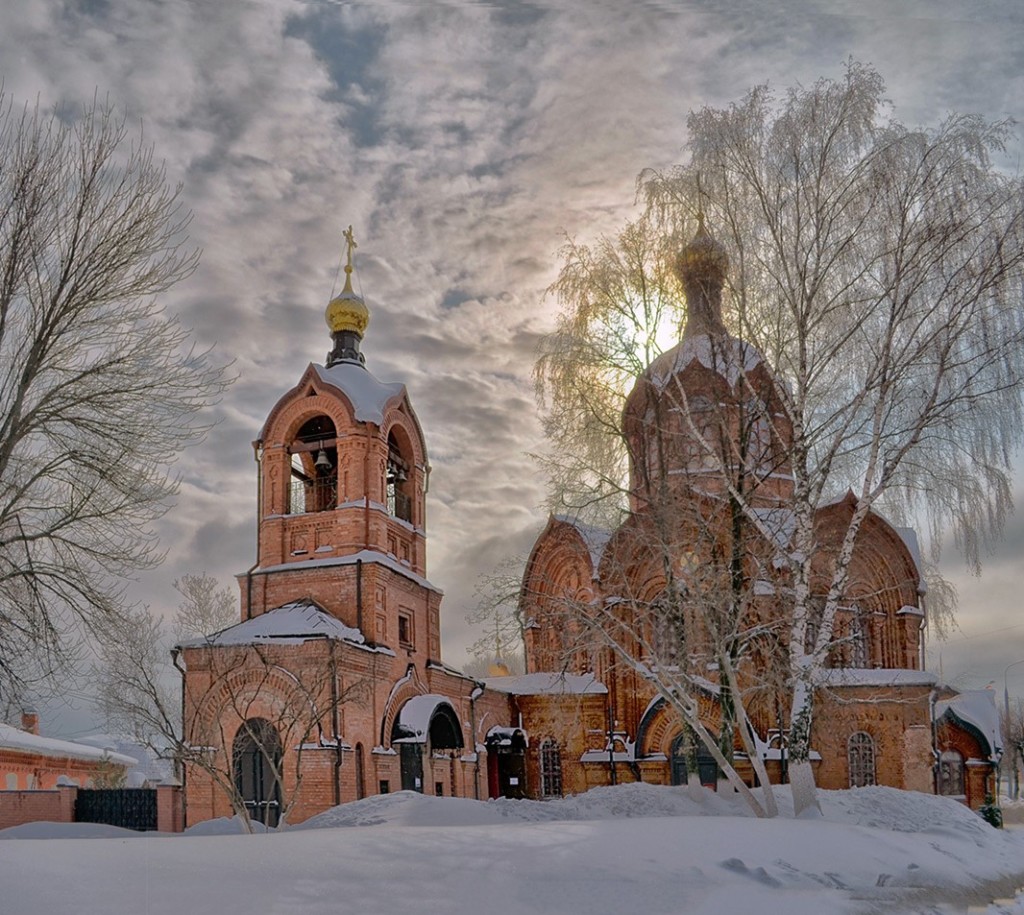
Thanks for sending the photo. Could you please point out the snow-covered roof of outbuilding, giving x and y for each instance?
(148, 765)
(295, 622)
(547, 684)
(976, 707)
(368, 396)
(12, 738)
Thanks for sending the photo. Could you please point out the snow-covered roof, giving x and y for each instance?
(909, 537)
(294, 622)
(368, 396)
(364, 555)
(724, 355)
(500, 736)
(148, 765)
(976, 707)
(19, 741)
(547, 684)
(595, 538)
(414, 717)
(867, 676)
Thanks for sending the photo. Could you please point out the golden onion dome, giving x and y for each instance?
(347, 311)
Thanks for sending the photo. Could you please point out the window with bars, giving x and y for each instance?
(550, 769)
(861, 754)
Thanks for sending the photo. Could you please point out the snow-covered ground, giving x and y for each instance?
(635, 848)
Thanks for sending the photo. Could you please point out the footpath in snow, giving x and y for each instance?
(631, 848)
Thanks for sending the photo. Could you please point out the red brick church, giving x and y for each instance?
(332, 688)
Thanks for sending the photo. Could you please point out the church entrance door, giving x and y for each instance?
(707, 768)
(257, 762)
(411, 755)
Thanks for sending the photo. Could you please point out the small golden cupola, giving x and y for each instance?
(347, 315)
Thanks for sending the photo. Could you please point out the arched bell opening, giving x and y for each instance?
(399, 478)
(314, 467)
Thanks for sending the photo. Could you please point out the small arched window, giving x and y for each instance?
(860, 751)
(550, 769)
(951, 774)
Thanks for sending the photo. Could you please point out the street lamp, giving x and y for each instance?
(1006, 738)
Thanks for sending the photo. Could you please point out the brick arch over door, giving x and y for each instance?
(660, 725)
(259, 692)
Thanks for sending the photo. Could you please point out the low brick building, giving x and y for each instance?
(29, 761)
(969, 745)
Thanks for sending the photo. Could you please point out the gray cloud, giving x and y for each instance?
(462, 141)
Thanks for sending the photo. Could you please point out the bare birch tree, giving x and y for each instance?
(99, 388)
(878, 270)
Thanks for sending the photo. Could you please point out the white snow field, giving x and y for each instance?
(633, 848)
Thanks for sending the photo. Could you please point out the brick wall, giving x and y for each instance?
(20, 807)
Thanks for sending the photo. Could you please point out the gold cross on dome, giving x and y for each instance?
(351, 245)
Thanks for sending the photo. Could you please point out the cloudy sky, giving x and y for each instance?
(463, 142)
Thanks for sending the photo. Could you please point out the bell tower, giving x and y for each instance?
(343, 474)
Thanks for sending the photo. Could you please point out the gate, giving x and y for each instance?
(130, 808)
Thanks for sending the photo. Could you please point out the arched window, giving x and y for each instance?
(256, 754)
(550, 769)
(860, 751)
(951, 774)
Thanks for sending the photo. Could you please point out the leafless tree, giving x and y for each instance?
(1012, 729)
(498, 620)
(205, 606)
(878, 270)
(99, 388)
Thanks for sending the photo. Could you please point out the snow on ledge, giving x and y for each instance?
(352, 559)
(547, 684)
(882, 676)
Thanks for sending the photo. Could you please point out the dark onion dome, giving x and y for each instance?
(701, 267)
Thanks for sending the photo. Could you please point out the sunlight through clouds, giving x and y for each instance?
(464, 142)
